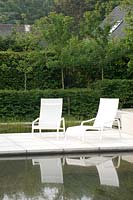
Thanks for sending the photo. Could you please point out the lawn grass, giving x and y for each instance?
(16, 126)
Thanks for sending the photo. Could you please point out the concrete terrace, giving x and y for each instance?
(49, 143)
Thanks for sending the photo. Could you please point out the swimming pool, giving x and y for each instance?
(69, 177)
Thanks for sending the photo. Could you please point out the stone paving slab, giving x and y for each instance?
(50, 143)
(8, 146)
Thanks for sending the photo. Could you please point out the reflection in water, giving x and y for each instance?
(51, 172)
(128, 158)
(51, 169)
(85, 177)
(105, 167)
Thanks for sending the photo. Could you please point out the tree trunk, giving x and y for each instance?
(25, 81)
(102, 74)
(62, 78)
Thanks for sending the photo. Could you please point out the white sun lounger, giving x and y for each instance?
(50, 116)
(104, 119)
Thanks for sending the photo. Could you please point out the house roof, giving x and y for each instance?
(6, 29)
(116, 20)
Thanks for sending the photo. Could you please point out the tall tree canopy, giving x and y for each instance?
(24, 11)
(68, 46)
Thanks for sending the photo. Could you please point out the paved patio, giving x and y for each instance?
(49, 143)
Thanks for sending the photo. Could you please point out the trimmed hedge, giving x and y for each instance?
(80, 103)
(123, 89)
(40, 77)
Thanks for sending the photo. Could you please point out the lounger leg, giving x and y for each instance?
(32, 130)
(118, 121)
(119, 128)
(57, 134)
(40, 131)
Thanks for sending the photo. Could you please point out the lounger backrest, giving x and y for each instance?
(50, 113)
(108, 174)
(51, 169)
(106, 112)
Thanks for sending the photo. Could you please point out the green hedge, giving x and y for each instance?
(80, 103)
(123, 89)
(40, 77)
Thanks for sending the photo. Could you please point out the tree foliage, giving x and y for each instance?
(56, 31)
(65, 48)
(24, 12)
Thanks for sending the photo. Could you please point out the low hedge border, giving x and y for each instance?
(78, 103)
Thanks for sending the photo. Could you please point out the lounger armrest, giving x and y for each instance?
(118, 162)
(62, 119)
(116, 119)
(86, 121)
(118, 122)
(63, 123)
(36, 120)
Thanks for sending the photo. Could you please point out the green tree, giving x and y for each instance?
(55, 31)
(18, 11)
(26, 64)
(128, 4)
(77, 58)
(77, 8)
(74, 8)
(24, 68)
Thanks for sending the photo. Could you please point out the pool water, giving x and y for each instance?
(73, 177)
(15, 127)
